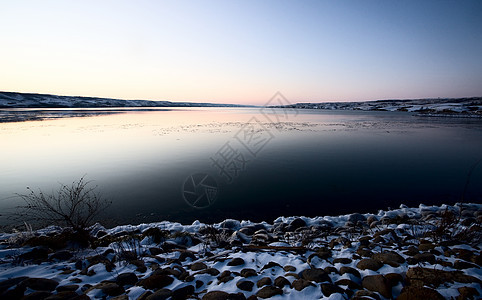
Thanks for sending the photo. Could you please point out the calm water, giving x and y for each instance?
(310, 163)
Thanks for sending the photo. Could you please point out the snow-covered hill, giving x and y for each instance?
(25, 100)
(447, 106)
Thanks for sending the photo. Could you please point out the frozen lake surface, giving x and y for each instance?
(260, 166)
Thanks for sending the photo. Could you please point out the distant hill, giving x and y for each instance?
(27, 100)
(440, 106)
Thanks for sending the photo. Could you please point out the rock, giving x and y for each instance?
(248, 272)
(342, 260)
(126, 279)
(155, 250)
(185, 255)
(289, 268)
(225, 276)
(270, 265)
(15, 293)
(350, 270)
(330, 269)
(155, 281)
(280, 282)
(432, 277)
(411, 251)
(371, 219)
(377, 283)
(419, 292)
(210, 271)
(40, 284)
(264, 281)
(183, 293)
(237, 261)
(363, 252)
(350, 283)
(6, 284)
(269, 291)
(198, 266)
(38, 253)
(216, 295)
(144, 295)
(328, 288)
(63, 295)
(300, 284)
(393, 279)
(461, 265)
(368, 263)
(238, 296)
(390, 258)
(245, 285)
(62, 255)
(316, 275)
(467, 293)
(38, 295)
(425, 257)
(160, 294)
(141, 266)
(364, 294)
(426, 247)
(354, 218)
(297, 223)
(67, 288)
(107, 287)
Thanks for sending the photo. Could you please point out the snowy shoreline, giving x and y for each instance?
(407, 252)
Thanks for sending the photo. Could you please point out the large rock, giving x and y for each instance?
(300, 284)
(328, 288)
(297, 223)
(39, 253)
(40, 284)
(198, 266)
(280, 282)
(425, 276)
(237, 261)
(316, 275)
(155, 281)
(37, 295)
(377, 283)
(183, 293)
(390, 258)
(424, 257)
(264, 281)
(245, 285)
(161, 294)
(368, 263)
(127, 279)
(108, 288)
(349, 270)
(65, 295)
(248, 272)
(269, 291)
(6, 284)
(356, 217)
(419, 292)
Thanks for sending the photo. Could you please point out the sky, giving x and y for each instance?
(242, 51)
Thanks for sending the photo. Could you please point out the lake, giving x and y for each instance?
(247, 163)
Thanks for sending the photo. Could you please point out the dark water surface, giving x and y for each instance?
(310, 163)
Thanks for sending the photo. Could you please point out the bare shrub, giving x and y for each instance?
(76, 205)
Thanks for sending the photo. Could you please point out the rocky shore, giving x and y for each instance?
(429, 252)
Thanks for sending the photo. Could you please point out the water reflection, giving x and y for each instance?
(317, 163)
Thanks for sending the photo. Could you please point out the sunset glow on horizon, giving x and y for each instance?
(243, 52)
